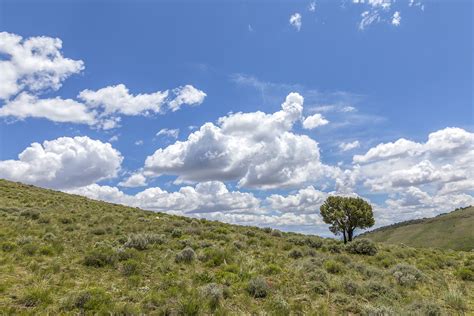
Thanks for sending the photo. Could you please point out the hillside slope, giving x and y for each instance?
(454, 230)
(65, 254)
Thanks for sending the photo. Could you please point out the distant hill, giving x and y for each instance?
(453, 230)
(63, 254)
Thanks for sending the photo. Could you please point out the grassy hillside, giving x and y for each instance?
(65, 254)
(454, 230)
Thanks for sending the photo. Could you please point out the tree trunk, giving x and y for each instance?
(349, 234)
(345, 238)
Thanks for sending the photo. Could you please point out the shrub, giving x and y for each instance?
(272, 269)
(276, 233)
(176, 233)
(100, 257)
(465, 273)
(65, 220)
(319, 287)
(44, 220)
(93, 299)
(137, 241)
(406, 275)
(35, 297)
(46, 250)
(268, 230)
(279, 306)
(314, 242)
(189, 306)
(30, 214)
(295, 254)
(425, 308)
(333, 267)
(8, 246)
(213, 294)
(214, 257)
(334, 247)
(350, 287)
(23, 240)
(378, 311)
(49, 236)
(319, 275)
(99, 231)
(456, 301)
(130, 267)
(375, 289)
(186, 255)
(258, 287)
(362, 247)
(29, 249)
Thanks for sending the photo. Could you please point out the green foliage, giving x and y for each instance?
(345, 214)
(187, 255)
(465, 273)
(114, 260)
(362, 247)
(258, 287)
(406, 275)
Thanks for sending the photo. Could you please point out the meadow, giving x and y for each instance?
(66, 254)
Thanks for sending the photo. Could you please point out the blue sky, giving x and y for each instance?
(373, 83)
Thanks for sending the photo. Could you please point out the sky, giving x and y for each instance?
(248, 112)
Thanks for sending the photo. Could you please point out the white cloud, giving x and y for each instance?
(205, 197)
(56, 109)
(349, 146)
(256, 149)
(314, 121)
(135, 180)
(36, 65)
(186, 95)
(118, 100)
(173, 133)
(368, 18)
(33, 64)
(446, 157)
(295, 21)
(307, 200)
(396, 18)
(139, 142)
(63, 163)
(312, 7)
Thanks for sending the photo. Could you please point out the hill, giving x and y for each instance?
(66, 254)
(453, 230)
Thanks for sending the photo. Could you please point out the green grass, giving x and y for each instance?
(454, 230)
(65, 254)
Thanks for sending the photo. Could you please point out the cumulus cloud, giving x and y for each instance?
(256, 149)
(445, 158)
(117, 99)
(295, 21)
(33, 64)
(56, 109)
(307, 200)
(186, 95)
(314, 121)
(349, 146)
(135, 180)
(36, 65)
(205, 197)
(173, 133)
(64, 163)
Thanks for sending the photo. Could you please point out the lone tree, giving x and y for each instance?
(345, 214)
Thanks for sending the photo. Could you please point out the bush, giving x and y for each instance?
(379, 311)
(333, 267)
(8, 246)
(456, 301)
(176, 233)
(215, 257)
(30, 214)
(276, 233)
(187, 255)
(375, 289)
(279, 306)
(424, 308)
(137, 241)
(350, 287)
(334, 248)
(130, 267)
(213, 294)
(319, 287)
(100, 257)
(465, 273)
(268, 230)
(49, 236)
(258, 287)
(362, 247)
(295, 254)
(314, 242)
(93, 299)
(406, 275)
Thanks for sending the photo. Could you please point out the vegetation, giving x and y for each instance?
(447, 231)
(65, 254)
(345, 214)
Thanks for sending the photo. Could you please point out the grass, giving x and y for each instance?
(65, 254)
(447, 231)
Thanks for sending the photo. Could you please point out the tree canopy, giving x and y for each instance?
(345, 214)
